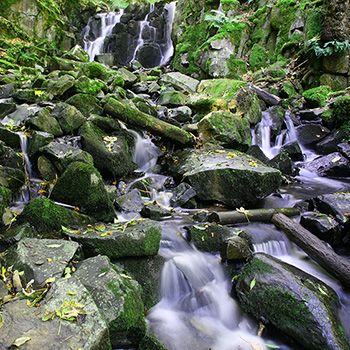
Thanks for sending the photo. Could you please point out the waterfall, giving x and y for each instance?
(168, 50)
(108, 21)
(196, 310)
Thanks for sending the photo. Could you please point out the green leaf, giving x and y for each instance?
(272, 346)
(252, 283)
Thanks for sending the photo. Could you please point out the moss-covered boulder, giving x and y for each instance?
(43, 328)
(44, 121)
(118, 298)
(41, 259)
(10, 158)
(11, 178)
(112, 154)
(57, 88)
(226, 176)
(89, 86)
(48, 218)
(69, 117)
(86, 104)
(341, 110)
(172, 98)
(220, 88)
(95, 70)
(225, 128)
(180, 82)
(81, 185)
(140, 238)
(293, 301)
(317, 97)
(5, 198)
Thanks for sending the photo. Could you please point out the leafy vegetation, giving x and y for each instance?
(329, 48)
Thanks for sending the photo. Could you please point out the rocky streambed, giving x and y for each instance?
(137, 206)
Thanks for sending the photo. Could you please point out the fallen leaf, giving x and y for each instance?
(252, 284)
(21, 341)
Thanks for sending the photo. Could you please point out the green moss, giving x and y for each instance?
(150, 342)
(221, 88)
(317, 97)
(289, 89)
(237, 67)
(258, 57)
(46, 216)
(95, 70)
(255, 267)
(89, 86)
(341, 110)
(5, 198)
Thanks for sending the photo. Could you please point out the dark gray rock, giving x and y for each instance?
(182, 195)
(7, 106)
(7, 90)
(334, 164)
(44, 121)
(294, 151)
(344, 149)
(69, 117)
(130, 202)
(309, 134)
(330, 143)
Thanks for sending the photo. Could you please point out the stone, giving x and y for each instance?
(77, 53)
(81, 185)
(147, 272)
(11, 178)
(311, 114)
(294, 151)
(11, 138)
(283, 163)
(48, 217)
(44, 121)
(149, 55)
(37, 141)
(62, 153)
(21, 114)
(129, 77)
(7, 106)
(226, 129)
(58, 88)
(118, 298)
(112, 154)
(293, 301)
(89, 86)
(10, 158)
(220, 88)
(41, 259)
(309, 134)
(182, 195)
(335, 204)
(226, 176)
(86, 104)
(332, 165)
(7, 90)
(46, 169)
(172, 98)
(330, 143)
(180, 82)
(69, 117)
(235, 248)
(344, 149)
(130, 202)
(141, 238)
(89, 331)
(155, 211)
(248, 104)
(181, 114)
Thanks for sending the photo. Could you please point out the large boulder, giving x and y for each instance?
(180, 81)
(112, 154)
(11, 178)
(81, 185)
(41, 328)
(133, 238)
(118, 298)
(334, 164)
(225, 128)
(226, 176)
(296, 303)
(41, 259)
(86, 104)
(44, 121)
(69, 117)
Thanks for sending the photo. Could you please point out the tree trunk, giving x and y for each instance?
(324, 255)
(256, 215)
(132, 116)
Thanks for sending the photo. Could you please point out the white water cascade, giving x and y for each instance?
(168, 50)
(108, 21)
(196, 310)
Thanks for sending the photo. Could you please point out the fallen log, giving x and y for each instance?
(268, 98)
(129, 114)
(255, 215)
(323, 254)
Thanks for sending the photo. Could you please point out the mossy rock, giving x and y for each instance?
(69, 117)
(81, 185)
(172, 98)
(118, 298)
(95, 70)
(86, 104)
(220, 88)
(44, 121)
(259, 57)
(317, 97)
(11, 178)
(293, 301)
(5, 198)
(150, 342)
(140, 238)
(89, 86)
(247, 103)
(341, 110)
(48, 218)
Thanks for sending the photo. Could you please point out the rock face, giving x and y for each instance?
(141, 238)
(334, 164)
(293, 301)
(41, 259)
(225, 176)
(117, 297)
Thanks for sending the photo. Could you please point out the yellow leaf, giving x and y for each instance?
(50, 280)
(49, 260)
(38, 93)
(21, 341)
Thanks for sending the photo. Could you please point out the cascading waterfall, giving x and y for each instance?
(168, 50)
(108, 21)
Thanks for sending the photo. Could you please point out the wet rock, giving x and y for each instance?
(81, 185)
(27, 96)
(57, 88)
(112, 154)
(9, 158)
(335, 204)
(156, 212)
(77, 53)
(256, 152)
(180, 81)
(22, 113)
(181, 114)
(225, 128)
(283, 163)
(129, 77)
(321, 225)
(172, 98)
(330, 143)
(118, 298)
(69, 117)
(5, 198)
(41, 259)
(48, 218)
(131, 202)
(183, 195)
(311, 133)
(7, 90)
(10, 137)
(11, 178)
(227, 176)
(334, 164)
(235, 248)
(149, 55)
(44, 121)
(248, 105)
(37, 141)
(344, 149)
(141, 238)
(46, 169)
(61, 154)
(147, 272)
(7, 106)
(294, 151)
(294, 302)
(86, 104)
(89, 331)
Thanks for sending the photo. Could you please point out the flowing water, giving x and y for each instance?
(108, 21)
